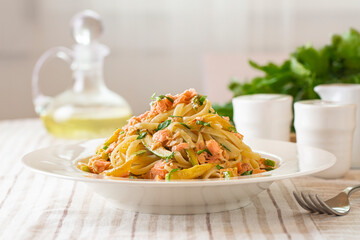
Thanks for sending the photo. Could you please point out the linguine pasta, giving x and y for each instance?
(181, 137)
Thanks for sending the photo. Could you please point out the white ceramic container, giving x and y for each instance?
(180, 197)
(329, 126)
(350, 94)
(265, 116)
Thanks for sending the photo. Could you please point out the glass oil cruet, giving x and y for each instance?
(89, 109)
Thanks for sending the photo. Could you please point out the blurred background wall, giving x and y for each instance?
(161, 45)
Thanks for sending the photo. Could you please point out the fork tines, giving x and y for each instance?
(313, 205)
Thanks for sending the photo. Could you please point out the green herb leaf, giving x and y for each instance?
(153, 96)
(105, 147)
(163, 125)
(232, 129)
(269, 163)
(161, 97)
(170, 156)
(173, 116)
(227, 175)
(198, 122)
(170, 99)
(219, 167)
(131, 177)
(202, 99)
(269, 169)
(185, 125)
(85, 168)
(225, 147)
(198, 101)
(224, 110)
(204, 150)
(247, 173)
(141, 135)
(122, 132)
(305, 68)
(168, 175)
(140, 152)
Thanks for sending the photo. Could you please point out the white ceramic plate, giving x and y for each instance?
(181, 197)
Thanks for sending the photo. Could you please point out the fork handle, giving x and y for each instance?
(350, 190)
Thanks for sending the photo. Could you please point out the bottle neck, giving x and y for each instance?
(89, 79)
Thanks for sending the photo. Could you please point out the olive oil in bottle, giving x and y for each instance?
(89, 109)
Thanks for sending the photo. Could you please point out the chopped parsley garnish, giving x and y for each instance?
(185, 125)
(163, 125)
(198, 101)
(161, 97)
(174, 116)
(105, 147)
(225, 147)
(131, 177)
(122, 132)
(141, 135)
(202, 99)
(219, 167)
(212, 111)
(204, 150)
(168, 175)
(247, 173)
(170, 156)
(198, 122)
(232, 129)
(269, 169)
(153, 96)
(227, 175)
(85, 168)
(269, 163)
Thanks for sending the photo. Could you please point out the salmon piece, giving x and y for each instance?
(111, 147)
(257, 170)
(162, 136)
(226, 118)
(243, 167)
(214, 160)
(215, 150)
(261, 163)
(202, 158)
(200, 145)
(158, 170)
(157, 178)
(185, 97)
(180, 147)
(214, 147)
(99, 165)
(161, 106)
(142, 117)
(133, 121)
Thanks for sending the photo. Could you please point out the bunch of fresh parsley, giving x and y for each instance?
(307, 67)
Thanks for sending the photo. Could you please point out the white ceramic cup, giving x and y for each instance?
(329, 126)
(265, 116)
(350, 94)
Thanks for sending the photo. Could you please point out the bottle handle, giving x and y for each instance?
(39, 99)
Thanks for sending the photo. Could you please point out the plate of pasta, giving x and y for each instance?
(180, 157)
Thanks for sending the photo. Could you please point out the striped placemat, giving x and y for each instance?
(33, 206)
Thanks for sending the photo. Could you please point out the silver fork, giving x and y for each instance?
(338, 205)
